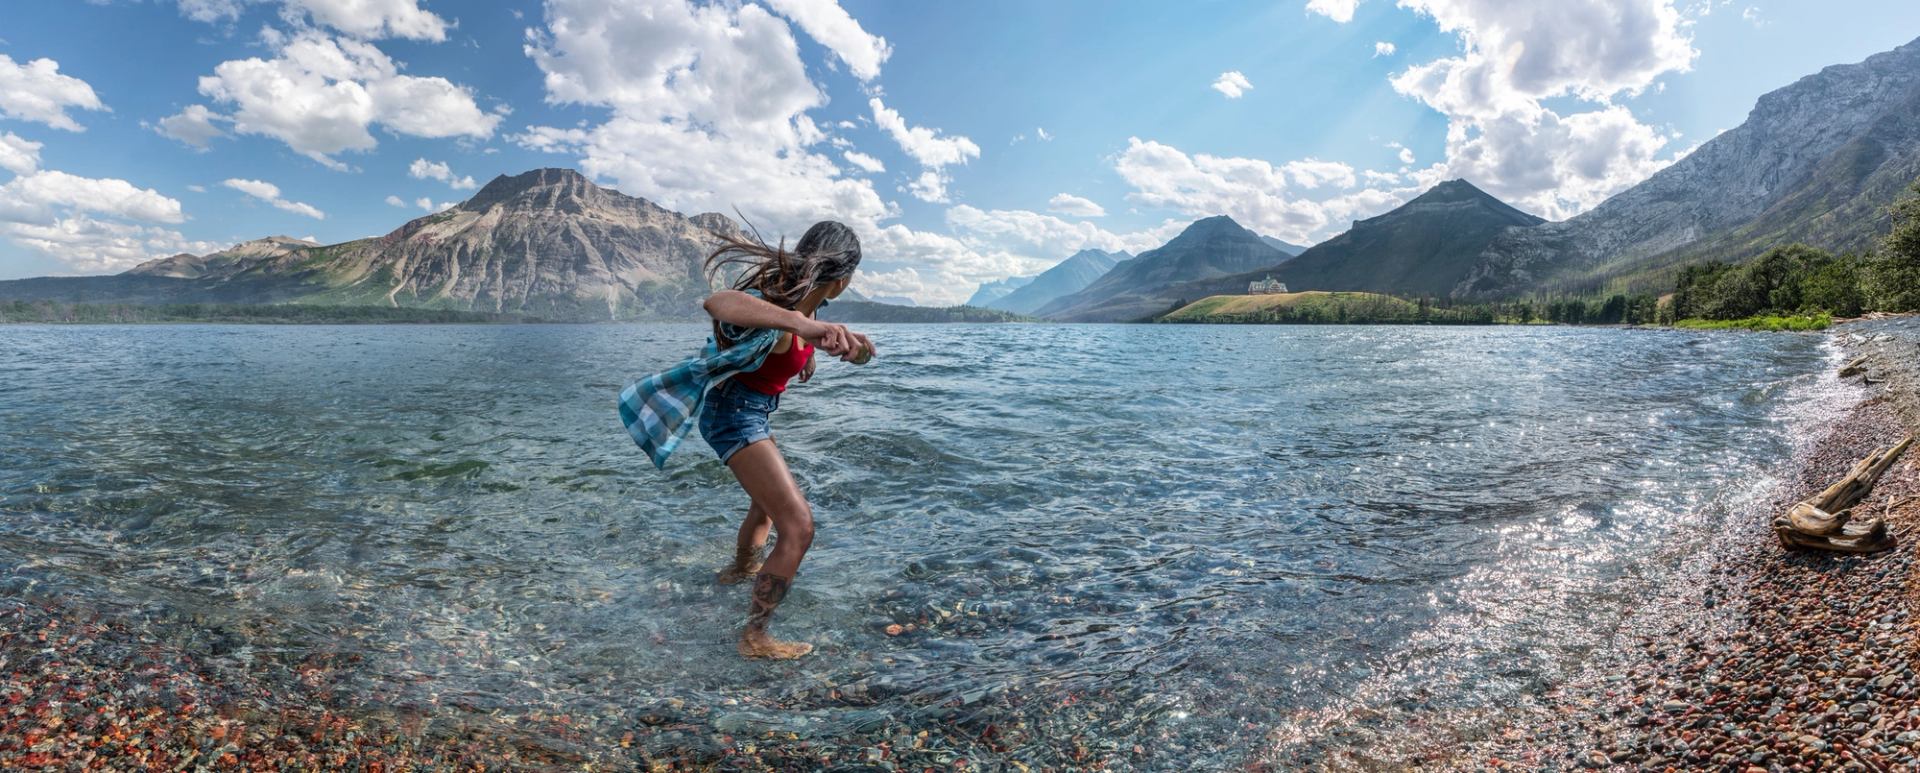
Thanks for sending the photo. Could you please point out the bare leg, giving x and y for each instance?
(749, 548)
(763, 473)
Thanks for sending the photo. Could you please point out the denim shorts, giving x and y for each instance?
(735, 417)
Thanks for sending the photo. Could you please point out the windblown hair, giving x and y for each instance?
(827, 252)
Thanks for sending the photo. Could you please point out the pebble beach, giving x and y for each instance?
(1758, 658)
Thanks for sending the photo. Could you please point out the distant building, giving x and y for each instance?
(1266, 287)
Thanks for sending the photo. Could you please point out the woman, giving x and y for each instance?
(779, 291)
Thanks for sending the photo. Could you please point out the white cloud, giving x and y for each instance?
(864, 161)
(193, 125)
(36, 91)
(320, 95)
(942, 270)
(1337, 10)
(1383, 48)
(923, 144)
(927, 146)
(1501, 137)
(709, 110)
(19, 155)
(827, 22)
(53, 213)
(394, 201)
(1069, 204)
(1041, 132)
(1752, 16)
(1232, 84)
(373, 18)
(91, 246)
(197, 188)
(1405, 155)
(422, 169)
(270, 193)
(424, 203)
(42, 196)
(1252, 191)
(211, 11)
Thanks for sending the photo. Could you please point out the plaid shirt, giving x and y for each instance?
(660, 408)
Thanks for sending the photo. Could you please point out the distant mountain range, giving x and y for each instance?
(1817, 161)
(995, 290)
(1065, 278)
(1136, 288)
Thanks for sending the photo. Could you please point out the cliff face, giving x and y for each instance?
(1421, 248)
(1816, 161)
(547, 242)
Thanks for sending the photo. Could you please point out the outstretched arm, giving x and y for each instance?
(736, 307)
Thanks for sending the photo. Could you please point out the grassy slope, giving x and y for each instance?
(1357, 306)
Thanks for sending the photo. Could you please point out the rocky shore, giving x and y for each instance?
(1759, 659)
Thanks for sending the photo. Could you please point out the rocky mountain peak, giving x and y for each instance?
(550, 188)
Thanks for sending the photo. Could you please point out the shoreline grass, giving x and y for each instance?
(1768, 324)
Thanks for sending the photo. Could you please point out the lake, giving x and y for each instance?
(1190, 546)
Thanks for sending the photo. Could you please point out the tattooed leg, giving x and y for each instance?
(768, 591)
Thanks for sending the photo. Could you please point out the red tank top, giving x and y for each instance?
(772, 377)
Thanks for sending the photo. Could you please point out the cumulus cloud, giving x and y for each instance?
(1069, 204)
(422, 169)
(1405, 155)
(36, 91)
(1041, 132)
(320, 95)
(19, 155)
(89, 245)
(1383, 48)
(709, 110)
(831, 25)
(1337, 10)
(927, 146)
(1254, 192)
(270, 193)
(985, 245)
(1232, 84)
(83, 221)
(42, 196)
(1503, 138)
(395, 201)
(864, 161)
(195, 126)
(369, 19)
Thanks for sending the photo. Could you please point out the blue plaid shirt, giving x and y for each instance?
(660, 408)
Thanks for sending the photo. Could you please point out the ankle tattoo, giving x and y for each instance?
(768, 591)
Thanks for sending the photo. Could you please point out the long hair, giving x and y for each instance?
(827, 252)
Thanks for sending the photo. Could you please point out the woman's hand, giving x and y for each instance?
(806, 371)
(834, 339)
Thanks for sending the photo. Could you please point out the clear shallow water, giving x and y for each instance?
(1217, 544)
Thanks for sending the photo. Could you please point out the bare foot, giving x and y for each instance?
(764, 646)
(734, 575)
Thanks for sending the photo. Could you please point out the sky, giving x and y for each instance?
(964, 141)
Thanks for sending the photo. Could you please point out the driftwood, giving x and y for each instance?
(1827, 521)
(1855, 368)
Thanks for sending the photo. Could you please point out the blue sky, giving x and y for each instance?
(965, 141)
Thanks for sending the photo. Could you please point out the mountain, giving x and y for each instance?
(1135, 288)
(1066, 277)
(895, 300)
(1816, 161)
(186, 266)
(995, 290)
(1423, 247)
(547, 243)
(1289, 248)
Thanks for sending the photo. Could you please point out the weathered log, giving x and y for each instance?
(1854, 368)
(1826, 521)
